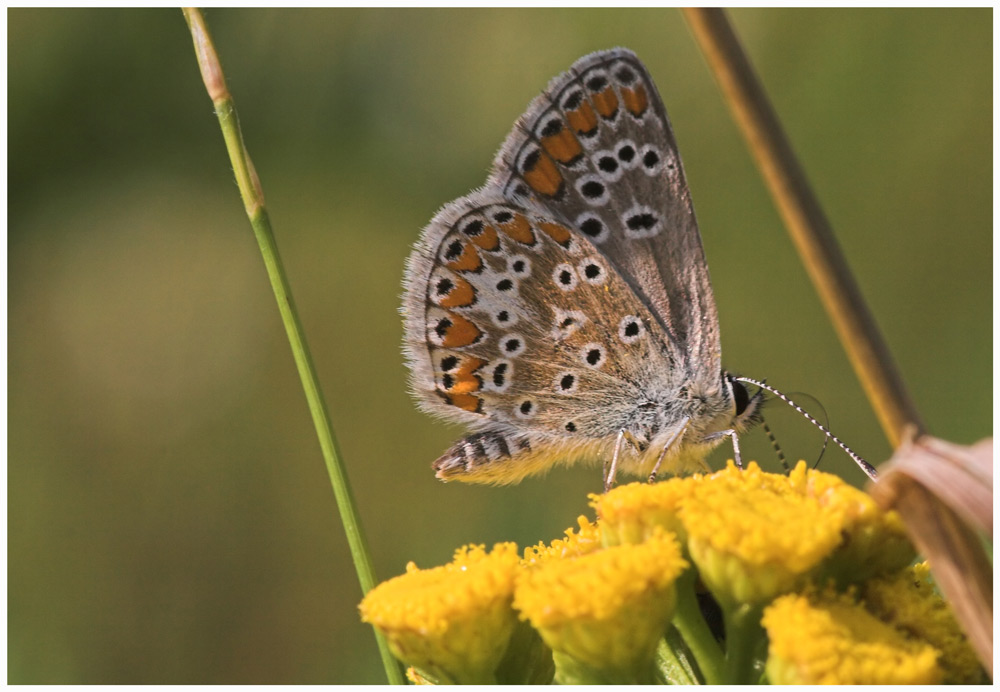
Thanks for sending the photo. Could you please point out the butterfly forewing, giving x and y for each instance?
(596, 149)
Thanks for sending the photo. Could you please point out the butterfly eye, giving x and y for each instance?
(740, 395)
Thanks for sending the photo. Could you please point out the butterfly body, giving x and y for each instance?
(564, 310)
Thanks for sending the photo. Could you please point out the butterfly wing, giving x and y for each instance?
(569, 299)
(596, 150)
(517, 325)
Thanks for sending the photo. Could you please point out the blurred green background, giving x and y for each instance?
(169, 515)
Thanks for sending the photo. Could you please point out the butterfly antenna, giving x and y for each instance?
(774, 443)
(865, 466)
(826, 422)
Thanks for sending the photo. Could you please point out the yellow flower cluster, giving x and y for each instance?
(808, 572)
(829, 638)
(441, 620)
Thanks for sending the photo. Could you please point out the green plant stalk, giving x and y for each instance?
(253, 201)
(745, 640)
(672, 664)
(691, 624)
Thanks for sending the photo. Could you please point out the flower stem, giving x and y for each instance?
(691, 624)
(745, 641)
(253, 201)
(672, 662)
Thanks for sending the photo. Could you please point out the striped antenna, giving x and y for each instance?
(775, 445)
(865, 466)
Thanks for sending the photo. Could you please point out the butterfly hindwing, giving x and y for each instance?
(515, 318)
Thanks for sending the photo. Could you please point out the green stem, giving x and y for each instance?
(745, 640)
(253, 201)
(672, 663)
(691, 624)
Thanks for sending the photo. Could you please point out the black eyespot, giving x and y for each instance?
(503, 216)
(573, 101)
(473, 228)
(511, 345)
(444, 286)
(518, 266)
(650, 159)
(594, 356)
(567, 322)
(499, 373)
(607, 164)
(740, 395)
(454, 250)
(592, 227)
(442, 327)
(552, 127)
(448, 363)
(626, 153)
(503, 316)
(592, 189)
(566, 382)
(625, 75)
(642, 222)
(565, 277)
(571, 427)
(630, 329)
(592, 271)
(526, 407)
(529, 163)
(597, 83)
(505, 285)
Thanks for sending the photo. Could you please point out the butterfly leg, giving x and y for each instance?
(734, 436)
(663, 452)
(736, 449)
(609, 477)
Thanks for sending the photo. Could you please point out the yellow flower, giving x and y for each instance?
(907, 600)
(828, 638)
(603, 613)
(752, 536)
(454, 622)
(575, 544)
(629, 513)
(873, 541)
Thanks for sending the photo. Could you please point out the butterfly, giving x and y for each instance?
(563, 311)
